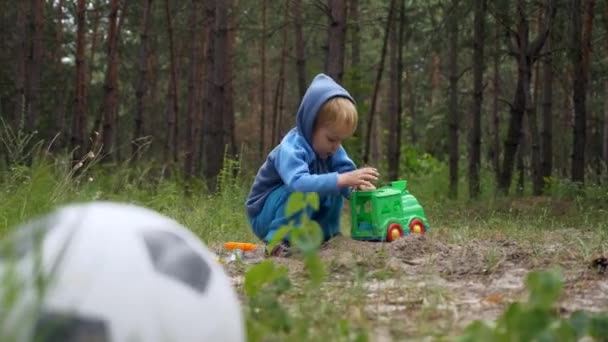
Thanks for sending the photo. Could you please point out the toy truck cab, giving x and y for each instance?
(386, 214)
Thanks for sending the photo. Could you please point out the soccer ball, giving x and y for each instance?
(114, 272)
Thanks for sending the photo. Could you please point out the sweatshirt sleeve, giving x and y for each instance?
(341, 163)
(292, 166)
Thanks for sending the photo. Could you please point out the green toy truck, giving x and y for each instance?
(386, 214)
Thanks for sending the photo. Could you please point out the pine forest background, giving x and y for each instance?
(508, 93)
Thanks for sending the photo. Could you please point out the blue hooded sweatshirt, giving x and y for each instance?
(294, 162)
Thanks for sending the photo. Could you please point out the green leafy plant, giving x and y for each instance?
(537, 319)
(268, 286)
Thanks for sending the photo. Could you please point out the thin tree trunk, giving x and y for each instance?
(336, 39)
(453, 121)
(525, 63)
(20, 100)
(478, 69)
(394, 110)
(110, 87)
(193, 88)
(94, 40)
(34, 62)
(263, 82)
(393, 101)
(215, 122)
(170, 150)
(142, 83)
(229, 129)
(605, 129)
(495, 123)
(547, 112)
(372, 109)
(355, 67)
(280, 87)
(62, 93)
(581, 46)
(300, 48)
(526, 53)
(79, 118)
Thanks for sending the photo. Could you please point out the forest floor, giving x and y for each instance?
(438, 283)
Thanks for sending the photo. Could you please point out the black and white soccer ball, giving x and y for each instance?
(114, 272)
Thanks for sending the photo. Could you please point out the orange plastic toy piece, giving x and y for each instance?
(244, 246)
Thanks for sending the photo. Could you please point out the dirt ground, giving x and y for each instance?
(421, 284)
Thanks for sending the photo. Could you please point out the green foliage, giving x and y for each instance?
(268, 286)
(537, 319)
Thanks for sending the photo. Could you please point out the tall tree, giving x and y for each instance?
(453, 121)
(34, 61)
(355, 64)
(229, 116)
(142, 84)
(194, 84)
(478, 69)
(62, 93)
(300, 48)
(262, 147)
(170, 146)
(336, 39)
(280, 86)
(215, 120)
(110, 86)
(372, 110)
(79, 118)
(526, 53)
(580, 54)
(547, 110)
(19, 101)
(395, 108)
(605, 128)
(494, 127)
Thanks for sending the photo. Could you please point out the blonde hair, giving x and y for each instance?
(338, 111)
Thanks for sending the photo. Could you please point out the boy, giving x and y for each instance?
(310, 158)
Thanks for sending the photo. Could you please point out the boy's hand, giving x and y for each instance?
(366, 187)
(360, 178)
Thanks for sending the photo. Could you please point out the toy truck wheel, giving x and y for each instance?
(394, 232)
(417, 227)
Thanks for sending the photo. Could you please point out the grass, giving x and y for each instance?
(338, 310)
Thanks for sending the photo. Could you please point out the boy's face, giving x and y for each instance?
(327, 139)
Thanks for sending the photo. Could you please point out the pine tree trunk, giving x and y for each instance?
(59, 130)
(280, 87)
(171, 148)
(142, 84)
(79, 118)
(34, 62)
(229, 124)
(372, 109)
(526, 53)
(20, 102)
(394, 100)
(355, 68)
(193, 88)
(478, 68)
(110, 87)
(336, 39)
(495, 121)
(605, 128)
(453, 121)
(262, 147)
(581, 46)
(300, 48)
(215, 123)
(547, 112)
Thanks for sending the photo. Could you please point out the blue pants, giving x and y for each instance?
(272, 217)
